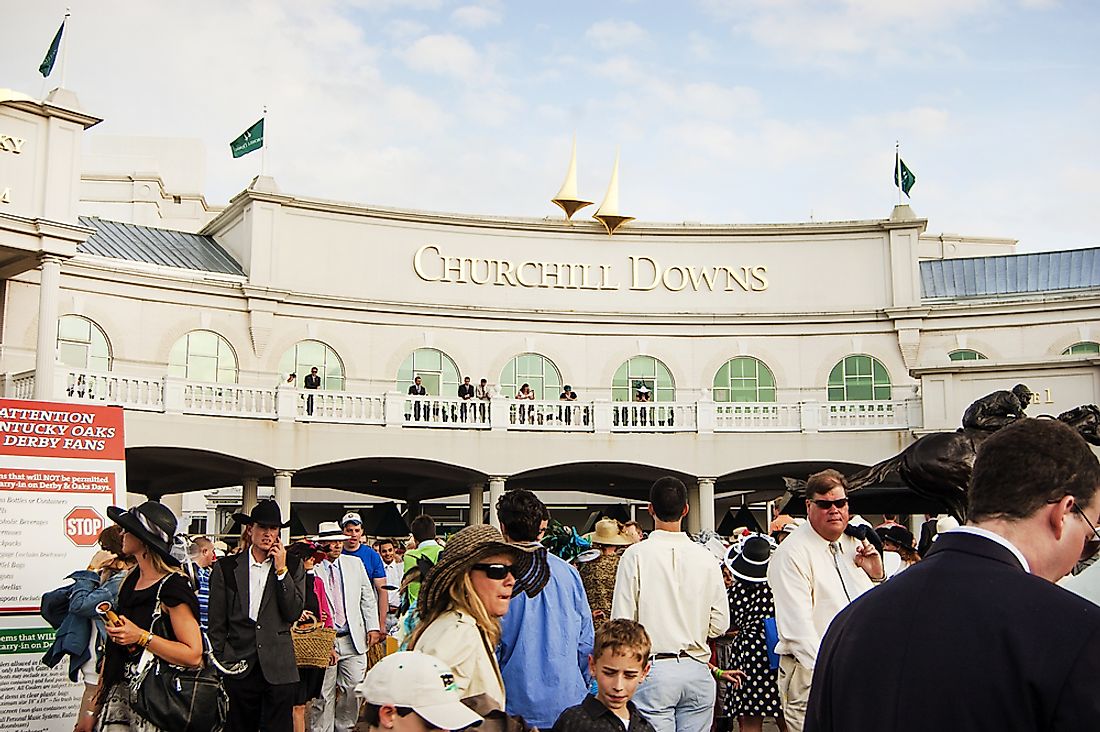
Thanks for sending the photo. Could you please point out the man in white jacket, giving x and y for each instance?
(354, 607)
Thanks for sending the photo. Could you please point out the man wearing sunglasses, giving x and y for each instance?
(814, 574)
(979, 638)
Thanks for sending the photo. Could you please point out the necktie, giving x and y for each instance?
(834, 548)
(336, 592)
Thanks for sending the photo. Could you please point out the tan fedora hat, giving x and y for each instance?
(608, 533)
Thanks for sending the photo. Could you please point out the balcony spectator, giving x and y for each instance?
(417, 390)
(465, 393)
(567, 395)
(483, 394)
(526, 392)
(312, 382)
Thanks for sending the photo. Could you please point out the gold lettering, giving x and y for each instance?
(758, 274)
(742, 280)
(634, 280)
(505, 275)
(605, 278)
(418, 267)
(683, 279)
(708, 277)
(473, 271)
(519, 274)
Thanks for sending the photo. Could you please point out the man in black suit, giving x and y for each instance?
(313, 382)
(254, 598)
(417, 389)
(977, 635)
(465, 393)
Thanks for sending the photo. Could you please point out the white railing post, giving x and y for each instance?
(173, 394)
(811, 415)
(286, 402)
(706, 416)
(916, 414)
(498, 413)
(60, 382)
(393, 411)
(601, 416)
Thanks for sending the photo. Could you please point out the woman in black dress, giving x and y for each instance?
(148, 533)
(751, 601)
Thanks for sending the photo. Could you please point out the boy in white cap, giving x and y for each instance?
(411, 692)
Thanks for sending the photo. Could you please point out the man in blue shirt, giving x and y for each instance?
(352, 525)
(544, 640)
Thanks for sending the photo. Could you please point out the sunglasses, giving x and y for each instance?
(826, 505)
(496, 571)
(1092, 545)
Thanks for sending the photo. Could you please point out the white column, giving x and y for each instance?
(49, 292)
(282, 497)
(477, 504)
(693, 524)
(496, 490)
(250, 488)
(706, 504)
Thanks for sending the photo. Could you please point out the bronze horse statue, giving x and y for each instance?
(938, 465)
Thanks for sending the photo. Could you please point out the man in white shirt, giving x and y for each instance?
(673, 587)
(395, 572)
(814, 574)
(354, 607)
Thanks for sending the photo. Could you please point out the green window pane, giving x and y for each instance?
(74, 355)
(1082, 348)
(836, 376)
(428, 359)
(311, 352)
(202, 343)
(880, 374)
(643, 366)
(859, 389)
(723, 375)
(431, 383)
(621, 379)
(73, 328)
(882, 392)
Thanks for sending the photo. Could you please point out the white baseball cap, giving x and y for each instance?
(351, 517)
(420, 682)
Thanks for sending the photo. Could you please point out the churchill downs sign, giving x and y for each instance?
(645, 273)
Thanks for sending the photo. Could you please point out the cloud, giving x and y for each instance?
(611, 35)
(446, 55)
(475, 16)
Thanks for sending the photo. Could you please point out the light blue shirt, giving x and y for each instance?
(544, 647)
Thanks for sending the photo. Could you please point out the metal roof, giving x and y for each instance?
(1011, 274)
(165, 247)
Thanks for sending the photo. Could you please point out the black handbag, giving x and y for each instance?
(177, 698)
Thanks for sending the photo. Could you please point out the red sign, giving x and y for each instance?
(82, 526)
(57, 429)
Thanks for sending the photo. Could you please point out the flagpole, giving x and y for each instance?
(263, 146)
(897, 168)
(65, 48)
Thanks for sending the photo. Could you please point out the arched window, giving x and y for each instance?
(744, 379)
(82, 344)
(534, 369)
(642, 371)
(1082, 348)
(966, 354)
(306, 355)
(859, 378)
(203, 355)
(437, 371)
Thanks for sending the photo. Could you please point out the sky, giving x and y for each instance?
(723, 111)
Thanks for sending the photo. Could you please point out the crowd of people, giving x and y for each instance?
(819, 624)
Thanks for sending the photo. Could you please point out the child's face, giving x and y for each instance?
(618, 673)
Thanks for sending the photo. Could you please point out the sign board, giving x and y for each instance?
(61, 466)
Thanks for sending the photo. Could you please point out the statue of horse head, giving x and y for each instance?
(1086, 420)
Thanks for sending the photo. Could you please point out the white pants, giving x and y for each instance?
(678, 696)
(339, 712)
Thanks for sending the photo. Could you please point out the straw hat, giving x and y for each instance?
(468, 547)
(607, 533)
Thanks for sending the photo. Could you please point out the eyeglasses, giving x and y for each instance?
(1091, 545)
(496, 571)
(826, 505)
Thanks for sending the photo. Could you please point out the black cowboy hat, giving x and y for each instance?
(152, 523)
(898, 535)
(264, 513)
(751, 563)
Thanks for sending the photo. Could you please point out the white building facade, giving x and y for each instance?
(764, 350)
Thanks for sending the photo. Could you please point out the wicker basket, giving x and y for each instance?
(313, 644)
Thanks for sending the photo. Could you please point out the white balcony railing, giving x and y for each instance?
(228, 400)
(448, 412)
(757, 417)
(653, 417)
(550, 416)
(338, 406)
(285, 403)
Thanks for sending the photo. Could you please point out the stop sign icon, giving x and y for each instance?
(82, 526)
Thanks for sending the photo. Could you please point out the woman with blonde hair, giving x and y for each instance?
(148, 532)
(462, 600)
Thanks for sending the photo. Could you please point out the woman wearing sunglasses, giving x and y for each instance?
(462, 600)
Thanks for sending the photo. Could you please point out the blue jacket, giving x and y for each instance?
(544, 645)
(75, 630)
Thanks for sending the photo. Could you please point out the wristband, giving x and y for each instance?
(146, 639)
(717, 673)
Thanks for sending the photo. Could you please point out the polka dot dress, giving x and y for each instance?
(750, 603)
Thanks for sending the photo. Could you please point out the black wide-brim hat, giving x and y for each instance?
(152, 523)
(751, 563)
(264, 513)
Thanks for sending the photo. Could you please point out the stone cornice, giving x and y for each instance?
(985, 365)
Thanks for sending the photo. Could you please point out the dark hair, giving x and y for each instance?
(668, 497)
(824, 481)
(110, 539)
(622, 636)
(422, 528)
(385, 540)
(1029, 463)
(521, 514)
(301, 550)
(371, 713)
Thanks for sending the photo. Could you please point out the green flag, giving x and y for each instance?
(51, 56)
(251, 139)
(903, 176)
